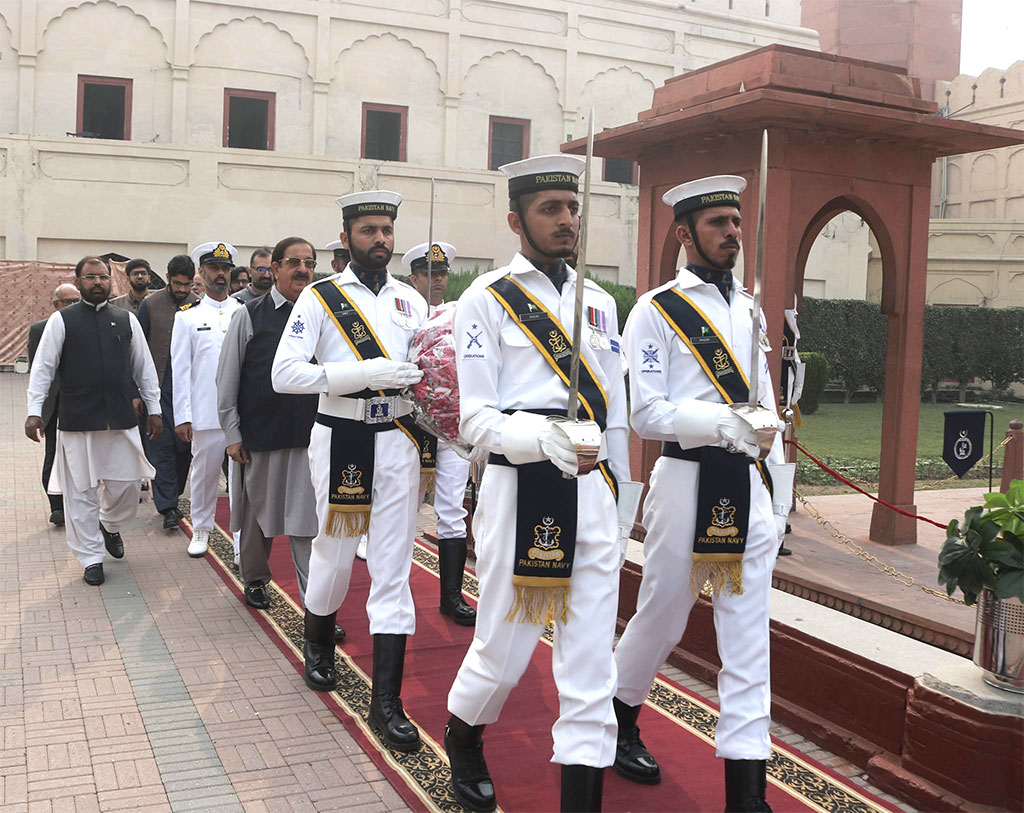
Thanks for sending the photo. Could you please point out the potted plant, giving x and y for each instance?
(984, 559)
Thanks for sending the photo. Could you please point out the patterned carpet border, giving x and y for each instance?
(426, 772)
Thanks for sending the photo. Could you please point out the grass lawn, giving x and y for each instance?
(854, 431)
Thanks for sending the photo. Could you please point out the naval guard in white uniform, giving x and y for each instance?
(196, 340)
(364, 453)
(451, 472)
(710, 516)
(548, 547)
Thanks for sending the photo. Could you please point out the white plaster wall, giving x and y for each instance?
(78, 42)
(837, 264)
(8, 76)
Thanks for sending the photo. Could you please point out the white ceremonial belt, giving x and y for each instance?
(380, 409)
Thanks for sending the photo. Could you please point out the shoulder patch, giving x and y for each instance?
(186, 306)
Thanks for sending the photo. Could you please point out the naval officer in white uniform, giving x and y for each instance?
(196, 341)
(709, 515)
(513, 330)
(363, 455)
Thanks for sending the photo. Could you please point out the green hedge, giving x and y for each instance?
(815, 379)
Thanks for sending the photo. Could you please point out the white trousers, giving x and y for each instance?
(581, 660)
(112, 502)
(236, 536)
(207, 456)
(394, 504)
(665, 601)
(450, 479)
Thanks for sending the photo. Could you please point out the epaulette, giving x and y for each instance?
(186, 306)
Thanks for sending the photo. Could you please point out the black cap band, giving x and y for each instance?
(370, 208)
(539, 181)
(705, 201)
(420, 264)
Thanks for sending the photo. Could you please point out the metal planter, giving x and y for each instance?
(999, 641)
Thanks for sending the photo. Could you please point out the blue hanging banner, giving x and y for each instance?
(963, 441)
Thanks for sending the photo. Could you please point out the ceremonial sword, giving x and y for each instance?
(763, 421)
(430, 245)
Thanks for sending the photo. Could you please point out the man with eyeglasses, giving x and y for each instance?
(239, 279)
(347, 341)
(64, 295)
(100, 354)
(261, 275)
(198, 334)
(267, 433)
(169, 455)
(139, 274)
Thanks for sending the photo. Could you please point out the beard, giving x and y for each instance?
(263, 282)
(139, 287)
(364, 259)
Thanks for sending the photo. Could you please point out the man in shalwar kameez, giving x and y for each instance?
(101, 355)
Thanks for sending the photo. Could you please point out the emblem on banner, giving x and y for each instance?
(546, 541)
(722, 516)
(963, 447)
(351, 479)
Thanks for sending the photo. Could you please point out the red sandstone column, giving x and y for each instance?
(905, 310)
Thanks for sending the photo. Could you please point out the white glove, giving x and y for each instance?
(737, 432)
(780, 527)
(529, 438)
(347, 377)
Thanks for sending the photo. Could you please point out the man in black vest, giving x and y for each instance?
(101, 356)
(267, 433)
(65, 294)
(169, 455)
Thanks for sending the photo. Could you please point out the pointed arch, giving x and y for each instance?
(244, 19)
(46, 29)
(509, 51)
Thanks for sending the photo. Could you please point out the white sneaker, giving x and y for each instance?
(199, 544)
(361, 548)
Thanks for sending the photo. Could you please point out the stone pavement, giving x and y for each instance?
(159, 691)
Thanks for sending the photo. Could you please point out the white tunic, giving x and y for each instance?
(195, 350)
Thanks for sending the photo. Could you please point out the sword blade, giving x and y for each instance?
(754, 371)
(577, 322)
(430, 242)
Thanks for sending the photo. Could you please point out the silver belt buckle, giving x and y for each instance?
(380, 409)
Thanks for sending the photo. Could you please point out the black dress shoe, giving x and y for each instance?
(632, 759)
(171, 517)
(57, 517)
(112, 542)
(256, 595)
(339, 634)
(471, 781)
(94, 575)
(387, 716)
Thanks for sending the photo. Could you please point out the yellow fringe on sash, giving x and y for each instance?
(533, 604)
(715, 573)
(345, 521)
(427, 480)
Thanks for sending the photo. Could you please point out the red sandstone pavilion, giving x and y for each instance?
(844, 134)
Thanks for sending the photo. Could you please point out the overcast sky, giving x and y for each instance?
(993, 35)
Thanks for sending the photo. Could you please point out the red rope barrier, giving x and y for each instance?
(833, 473)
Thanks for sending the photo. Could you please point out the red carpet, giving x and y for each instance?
(677, 725)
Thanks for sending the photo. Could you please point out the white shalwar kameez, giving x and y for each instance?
(198, 334)
(664, 375)
(500, 371)
(395, 496)
(98, 472)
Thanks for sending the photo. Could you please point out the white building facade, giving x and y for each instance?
(146, 127)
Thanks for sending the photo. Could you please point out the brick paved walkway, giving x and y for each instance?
(159, 691)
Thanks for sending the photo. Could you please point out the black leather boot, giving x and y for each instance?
(471, 781)
(387, 718)
(582, 787)
(318, 652)
(451, 554)
(745, 785)
(632, 759)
